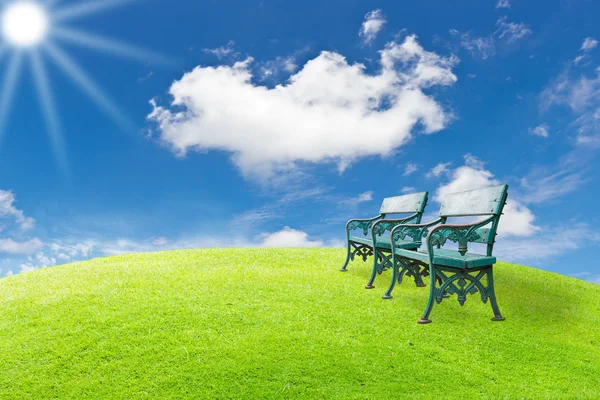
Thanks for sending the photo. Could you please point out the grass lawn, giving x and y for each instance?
(285, 323)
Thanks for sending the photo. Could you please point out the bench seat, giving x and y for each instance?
(383, 242)
(449, 258)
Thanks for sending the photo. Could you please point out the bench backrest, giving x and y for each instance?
(485, 201)
(408, 203)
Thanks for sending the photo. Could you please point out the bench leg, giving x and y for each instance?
(492, 295)
(376, 257)
(425, 317)
(395, 277)
(347, 258)
(381, 262)
(461, 282)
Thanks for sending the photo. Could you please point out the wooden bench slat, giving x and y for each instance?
(486, 201)
(449, 258)
(383, 241)
(408, 203)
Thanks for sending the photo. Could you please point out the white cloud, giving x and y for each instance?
(223, 51)
(511, 31)
(361, 198)
(40, 260)
(552, 242)
(371, 26)
(588, 276)
(408, 189)
(410, 169)
(439, 170)
(540, 130)
(273, 68)
(288, 237)
(589, 44)
(321, 114)
(10, 246)
(503, 4)
(582, 95)
(546, 183)
(482, 47)
(579, 58)
(8, 210)
(517, 219)
(160, 241)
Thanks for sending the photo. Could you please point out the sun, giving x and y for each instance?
(24, 24)
(32, 31)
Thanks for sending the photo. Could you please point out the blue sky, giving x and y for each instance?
(270, 123)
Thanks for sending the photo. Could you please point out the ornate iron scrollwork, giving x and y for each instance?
(384, 262)
(416, 233)
(362, 251)
(461, 234)
(380, 227)
(462, 282)
(365, 225)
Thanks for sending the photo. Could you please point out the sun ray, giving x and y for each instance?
(9, 84)
(87, 85)
(109, 45)
(50, 3)
(49, 110)
(86, 8)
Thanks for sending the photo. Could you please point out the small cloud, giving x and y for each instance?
(361, 198)
(471, 76)
(371, 26)
(160, 241)
(503, 4)
(408, 189)
(223, 51)
(10, 246)
(482, 47)
(579, 58)
(274, 67)
(540, 130)
(589, 44)
(511, 31)
(146, 77)
(288, 237)
(438, 170)
(410, 169)
(8, 209)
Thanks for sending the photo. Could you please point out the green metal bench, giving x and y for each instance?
(453, 271)
(374, 229)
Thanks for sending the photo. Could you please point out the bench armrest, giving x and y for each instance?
(456, 233)
(415, 231)
(365, 224)
(383, 225)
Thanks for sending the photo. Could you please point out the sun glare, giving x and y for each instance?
(31, 31)
(24, 24)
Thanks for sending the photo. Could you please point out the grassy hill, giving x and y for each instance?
(267, 323)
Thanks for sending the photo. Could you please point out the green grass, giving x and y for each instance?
(286, 324)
